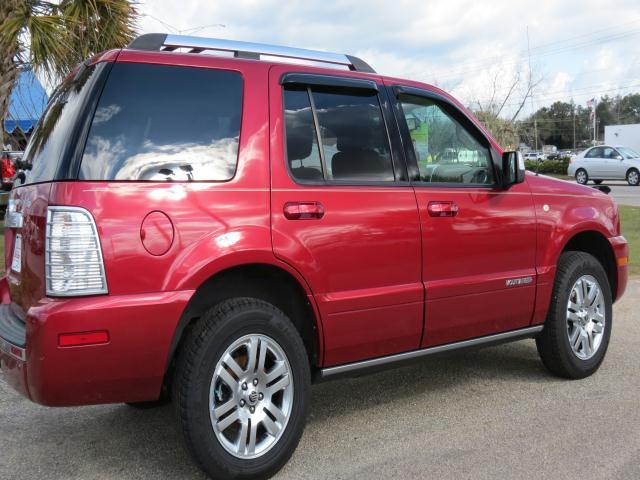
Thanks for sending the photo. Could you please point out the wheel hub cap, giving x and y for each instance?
(586, 317)
(251, 396)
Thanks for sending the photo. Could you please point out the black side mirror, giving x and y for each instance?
(512, 168)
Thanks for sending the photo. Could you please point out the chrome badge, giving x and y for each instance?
(512, 282)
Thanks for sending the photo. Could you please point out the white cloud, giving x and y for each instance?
(458, 44)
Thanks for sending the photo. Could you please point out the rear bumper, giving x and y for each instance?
(130, 367)
(621, 252)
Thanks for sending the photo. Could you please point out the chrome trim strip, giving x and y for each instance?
(349, 367)
(7, 347)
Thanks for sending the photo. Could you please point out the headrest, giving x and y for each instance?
(299, 142)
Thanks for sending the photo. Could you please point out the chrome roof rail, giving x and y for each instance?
(169, 42)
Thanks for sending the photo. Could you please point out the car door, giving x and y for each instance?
(618, 164)
(343, 213)
(609, 163)
(478, 240)
(595, 163)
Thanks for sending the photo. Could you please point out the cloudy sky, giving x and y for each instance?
(580, 49)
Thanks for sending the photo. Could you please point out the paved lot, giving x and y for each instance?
(493, 413)
(625, 194)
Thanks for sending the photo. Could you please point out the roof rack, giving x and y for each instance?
(250, 50)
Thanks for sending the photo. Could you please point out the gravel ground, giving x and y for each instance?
(493, 413)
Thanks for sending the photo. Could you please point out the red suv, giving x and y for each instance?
(224, 230)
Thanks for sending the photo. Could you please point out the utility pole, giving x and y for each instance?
(595, 130)
(535, 120)
(573, 111)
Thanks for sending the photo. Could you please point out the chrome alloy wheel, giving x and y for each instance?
(586, 317)
(251, 396)
(633, 178)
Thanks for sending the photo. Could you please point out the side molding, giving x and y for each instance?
(406, 356)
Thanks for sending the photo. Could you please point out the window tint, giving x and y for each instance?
(303, 154)
(52, 136)
(355, 145)
(594, 153)
(445, 150)
(157, 122)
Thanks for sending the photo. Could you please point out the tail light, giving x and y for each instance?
(7, 170)
(74, 264)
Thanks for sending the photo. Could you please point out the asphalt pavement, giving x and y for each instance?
(489, 414)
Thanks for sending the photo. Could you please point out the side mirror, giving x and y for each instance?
(619, 157)
(512, 168)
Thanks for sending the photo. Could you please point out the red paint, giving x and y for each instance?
(381, 273)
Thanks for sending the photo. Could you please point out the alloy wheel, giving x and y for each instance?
(586, 317)
(251, 396)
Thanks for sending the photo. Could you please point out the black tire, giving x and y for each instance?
(580, 179)
(207, 342)
(597, 182)
(633, 177)
(553, 342)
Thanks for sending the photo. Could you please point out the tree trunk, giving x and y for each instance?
(8, 71)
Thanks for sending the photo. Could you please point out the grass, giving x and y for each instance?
(630, 226)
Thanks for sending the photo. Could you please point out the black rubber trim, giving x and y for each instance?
(360, 65)
(327, 81)
(148, 41)
(12, 326)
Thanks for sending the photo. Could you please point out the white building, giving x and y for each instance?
(623, 135)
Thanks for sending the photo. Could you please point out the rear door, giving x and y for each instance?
(343, 213)
(478, 240)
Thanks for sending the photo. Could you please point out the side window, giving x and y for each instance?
(165, 123)
(445, 150)
(353, 143)
(303, 153)
(594, 153)
(609, 153)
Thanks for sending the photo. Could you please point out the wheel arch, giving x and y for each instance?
(274, 283)
(596, 244)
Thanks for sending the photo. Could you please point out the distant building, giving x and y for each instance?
(623, 135)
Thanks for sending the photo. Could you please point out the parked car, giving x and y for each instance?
(606, 163)
(538, 156)
(266, 225)
(7, 173)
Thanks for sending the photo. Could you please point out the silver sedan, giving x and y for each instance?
(606, 163)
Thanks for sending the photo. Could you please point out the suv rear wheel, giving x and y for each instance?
(578, 326)
(242, 389)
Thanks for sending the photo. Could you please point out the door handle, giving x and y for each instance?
(303, 210)
(442, 209)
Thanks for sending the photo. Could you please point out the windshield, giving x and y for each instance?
(628, 153)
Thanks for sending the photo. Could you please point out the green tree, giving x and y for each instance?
(52, 38)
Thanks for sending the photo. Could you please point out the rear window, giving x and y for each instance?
(165, 123)
(53, 136)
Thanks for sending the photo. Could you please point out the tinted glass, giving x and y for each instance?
(303, 154)
(445, 150)
(52, 136)
(158, 122)
(594, 153)
(354, 136)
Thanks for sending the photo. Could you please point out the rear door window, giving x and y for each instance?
(165, 123)
(349, 127)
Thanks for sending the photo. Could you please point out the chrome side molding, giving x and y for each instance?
(405, 356)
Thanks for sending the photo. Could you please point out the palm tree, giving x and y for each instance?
(52, 38)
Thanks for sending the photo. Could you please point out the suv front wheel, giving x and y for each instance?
(576, 333)
(242, 389)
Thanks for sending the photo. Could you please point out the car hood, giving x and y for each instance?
(550, 185)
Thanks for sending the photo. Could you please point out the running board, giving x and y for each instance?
(414, 354)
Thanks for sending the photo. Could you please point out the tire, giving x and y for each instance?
(597, 182)
(203, 377)
(554, 343)
(633, 177)
(582, 177)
